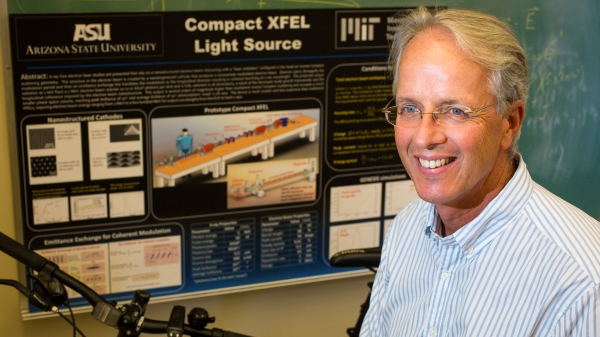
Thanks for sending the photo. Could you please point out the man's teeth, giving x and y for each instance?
(434, 163)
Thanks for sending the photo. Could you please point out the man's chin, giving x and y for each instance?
(434, 194)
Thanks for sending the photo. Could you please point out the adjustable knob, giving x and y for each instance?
(198, 318)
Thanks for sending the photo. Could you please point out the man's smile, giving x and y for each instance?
(436, 163)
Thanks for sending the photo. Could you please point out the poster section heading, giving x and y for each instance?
(104, 237)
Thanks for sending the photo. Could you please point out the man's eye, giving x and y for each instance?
(454, 111)
(409, 109)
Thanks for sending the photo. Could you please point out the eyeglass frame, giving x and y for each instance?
(434, 114)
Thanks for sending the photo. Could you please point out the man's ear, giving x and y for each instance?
(515, 120)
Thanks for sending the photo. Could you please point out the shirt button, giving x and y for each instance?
(445, 276)
(432, 333)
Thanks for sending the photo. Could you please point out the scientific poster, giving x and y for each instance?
(190, 152)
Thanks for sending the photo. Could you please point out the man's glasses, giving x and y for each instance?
(410, 116)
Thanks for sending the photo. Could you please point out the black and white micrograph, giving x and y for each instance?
(43, 166)
(40, 139)
(124, 133)
(123, 159)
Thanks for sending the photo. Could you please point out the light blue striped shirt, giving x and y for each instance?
(528, 265)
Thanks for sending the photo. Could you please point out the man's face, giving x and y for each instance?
(466, 161)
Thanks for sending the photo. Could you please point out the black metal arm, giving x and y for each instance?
(129, 318)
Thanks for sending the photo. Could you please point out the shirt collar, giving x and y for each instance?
(493, 219)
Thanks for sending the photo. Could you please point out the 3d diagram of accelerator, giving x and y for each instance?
(213, 157)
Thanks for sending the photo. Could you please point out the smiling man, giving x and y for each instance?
(485, 251)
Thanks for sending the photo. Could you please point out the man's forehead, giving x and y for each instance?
(435, 53)
(432, 41)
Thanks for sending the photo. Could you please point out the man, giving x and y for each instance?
(184, 143)
(485, 251)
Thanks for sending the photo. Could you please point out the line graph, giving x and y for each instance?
(126, 204)
(398, 194)
(362, 235)
(91, 206)
(50, 210)
(355, 202)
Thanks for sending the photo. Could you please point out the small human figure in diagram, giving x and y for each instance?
(185, 143)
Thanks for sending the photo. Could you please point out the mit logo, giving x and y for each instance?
(370, 29)
(362, 29)
(92, 32)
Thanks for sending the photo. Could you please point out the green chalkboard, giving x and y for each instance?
(562, 128)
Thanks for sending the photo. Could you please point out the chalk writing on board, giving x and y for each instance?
(556, 109)
(529, 20)
(552, 70)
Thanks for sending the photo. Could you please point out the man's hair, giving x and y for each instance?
(485, 39)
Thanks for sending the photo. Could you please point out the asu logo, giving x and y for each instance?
(92, 32)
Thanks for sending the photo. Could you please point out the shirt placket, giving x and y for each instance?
(447, 254)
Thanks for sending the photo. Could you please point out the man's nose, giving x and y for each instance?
(429, 133)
